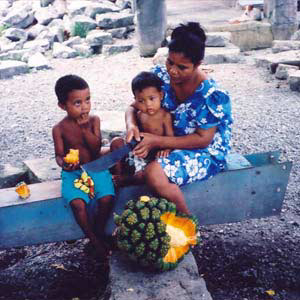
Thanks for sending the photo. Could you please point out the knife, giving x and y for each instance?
(108, 160)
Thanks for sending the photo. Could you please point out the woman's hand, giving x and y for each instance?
(133, 131)
(148, 142)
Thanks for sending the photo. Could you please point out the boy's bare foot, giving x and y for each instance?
(111, 241)
(103, 249)
(98, 249)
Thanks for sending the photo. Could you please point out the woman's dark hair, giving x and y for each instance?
(189, 39)
(144, 80)
(66, 84)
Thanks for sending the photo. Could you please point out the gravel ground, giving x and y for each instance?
(238, 261)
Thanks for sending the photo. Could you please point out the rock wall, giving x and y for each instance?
(31, 32)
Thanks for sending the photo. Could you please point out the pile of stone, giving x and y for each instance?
(284, 61)
(32, 31)
(219, 49)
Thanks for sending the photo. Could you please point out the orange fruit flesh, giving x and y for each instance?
(183, 234)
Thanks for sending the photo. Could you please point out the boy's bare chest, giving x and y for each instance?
(73, 136)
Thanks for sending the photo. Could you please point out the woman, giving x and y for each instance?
(201, 114)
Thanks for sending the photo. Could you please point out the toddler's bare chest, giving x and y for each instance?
(152, 125)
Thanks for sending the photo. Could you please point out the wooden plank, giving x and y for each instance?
(231, 196)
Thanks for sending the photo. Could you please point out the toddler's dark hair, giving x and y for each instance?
(144, 80)
(64, 85)
(189, 39)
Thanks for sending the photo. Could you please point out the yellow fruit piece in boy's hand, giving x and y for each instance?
(72, 157)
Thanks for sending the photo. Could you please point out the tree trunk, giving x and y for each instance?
(151, 25)
(283, 17)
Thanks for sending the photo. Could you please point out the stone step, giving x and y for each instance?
(248, 35)
(11, 175)
(220, 55)
(213, 55)
(127, 281)
(10, 68)
(291, 57)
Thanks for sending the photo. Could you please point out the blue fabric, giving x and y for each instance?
(102, 182)
(209, 106)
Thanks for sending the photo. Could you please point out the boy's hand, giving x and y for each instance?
(133, 132)
(70, 167)
(83, 120)
(163, 153)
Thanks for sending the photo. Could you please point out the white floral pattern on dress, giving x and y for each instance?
(209, 106)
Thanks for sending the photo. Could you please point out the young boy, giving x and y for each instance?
(148, 94)
(80, 130)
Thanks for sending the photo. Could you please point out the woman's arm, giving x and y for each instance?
(200, 139)
(132, 129)
(168, 124)
(168, 131)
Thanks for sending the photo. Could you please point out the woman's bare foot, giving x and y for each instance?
(120, 181)
(124, 180)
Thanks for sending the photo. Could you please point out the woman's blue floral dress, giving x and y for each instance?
(209, 106)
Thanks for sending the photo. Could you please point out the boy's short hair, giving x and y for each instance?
(144, 80)
(64, 85)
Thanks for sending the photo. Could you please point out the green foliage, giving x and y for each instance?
(3, 27)
(80, 29)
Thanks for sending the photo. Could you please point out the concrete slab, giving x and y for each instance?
(10, 68)
(291, 57)
(112, 123)
(130, 282)
(217, 55)
(248, 35)
(42, 169)
(11, 175)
